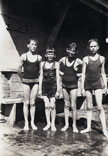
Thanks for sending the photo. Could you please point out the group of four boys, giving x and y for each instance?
(43, 78)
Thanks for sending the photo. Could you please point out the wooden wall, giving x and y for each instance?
(80, 24)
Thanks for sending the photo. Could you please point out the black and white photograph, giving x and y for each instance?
(53, 78)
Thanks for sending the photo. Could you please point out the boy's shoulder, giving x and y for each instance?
(39, 56)
(85, 58)
(23, 56)
(102, 58)
(62, 59)
(56, 63)
(78, 60)
(43, 62)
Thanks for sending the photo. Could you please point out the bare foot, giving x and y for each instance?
(53, 128)
(26, 127)
(105, 133)
(75, 130)
(64, 128)
(85, 130)
(33, 126)
(46, 127)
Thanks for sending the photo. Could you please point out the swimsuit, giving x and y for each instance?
(93, 75)
(31, 72)
(69, 78)
(49, 85)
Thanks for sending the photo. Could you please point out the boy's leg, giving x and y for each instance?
(53, 113)
(26, 93)
(66, 109)
(73, 96)
(47, 113)
(98, 95)
(89, 112)
(33, 95)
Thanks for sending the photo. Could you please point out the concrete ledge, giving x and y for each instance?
(10, 115)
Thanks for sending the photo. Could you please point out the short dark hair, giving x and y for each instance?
(72, 46)
(33, 39)
(50, 49)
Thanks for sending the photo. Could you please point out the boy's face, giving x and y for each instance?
(32, 46)
(93, 47)
(50, 56)
(71, 52)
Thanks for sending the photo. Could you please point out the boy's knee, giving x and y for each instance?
(52, 106)
(89, 107)
(32, 103)
(73, 107)
(47, 108)
(26, 103)
(66, 105)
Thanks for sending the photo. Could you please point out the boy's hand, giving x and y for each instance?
(57, 94)
(61, 73)
(40, 92)
(82, 91)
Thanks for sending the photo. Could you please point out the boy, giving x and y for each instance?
(69, 66)
(30, 63)
(49, 86)
(92, 71)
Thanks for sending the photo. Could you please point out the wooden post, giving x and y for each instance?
(58, 25)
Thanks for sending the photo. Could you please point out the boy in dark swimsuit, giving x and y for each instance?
(92, 71)
(69, 66)
(49, 87)
(30, 63)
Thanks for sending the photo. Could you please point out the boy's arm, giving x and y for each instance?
(61, 61)
(78, 67)
(80, 61)
(40, 78)
(40, 58)
(40, 61)
(21, 63)
(84, 64)
(57, 77)
(22, 59)
(103, 74)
